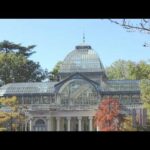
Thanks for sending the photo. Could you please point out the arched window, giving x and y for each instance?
(79, 92)
(40, 125)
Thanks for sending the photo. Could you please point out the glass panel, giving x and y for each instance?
(121, 85)
(82, 59)
(78, 92)
(40, 125)
(27, 88)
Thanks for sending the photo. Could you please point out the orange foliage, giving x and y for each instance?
(106, 118)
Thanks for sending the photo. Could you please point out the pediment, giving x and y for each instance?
(74, 76)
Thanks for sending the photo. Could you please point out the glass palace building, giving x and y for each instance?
(71, 103)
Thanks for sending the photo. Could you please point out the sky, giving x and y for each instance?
(55, 38)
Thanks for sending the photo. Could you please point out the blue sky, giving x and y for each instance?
(55, 38)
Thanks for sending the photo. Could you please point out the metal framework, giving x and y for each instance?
(27, 88)
(82, 59)
(121, 85)
(83, 83)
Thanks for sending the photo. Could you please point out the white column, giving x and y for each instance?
(49, 127)
(79, 123)
(144, 110)
(90, 123)
(141, 116)
(26, 125)
(68, 123)
(57, 123)
(30, 123)
(97, 128)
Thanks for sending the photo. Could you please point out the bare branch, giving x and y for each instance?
(145, 20)
(124, 21)
(146, 44)
(113, 21)
(143, 26)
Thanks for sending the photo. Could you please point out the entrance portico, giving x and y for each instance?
(69, 124)
(63, 121)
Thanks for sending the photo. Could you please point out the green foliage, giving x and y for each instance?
(10, 63)
(145, 91)
(3, 129)
(15, 65)
(122, 69)
(55, 71)
(140, 70)
(118, 70)
(6, 47)
(127, 124)
(30, 72)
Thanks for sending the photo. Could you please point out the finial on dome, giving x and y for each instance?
(83, 38)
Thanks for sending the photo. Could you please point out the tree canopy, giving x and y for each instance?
(122, 69)
(145, 91)
(16, 65)
(119, 70)
(129, 70)
(109, 117)
(10, 120)
(55, 71)
(6, 47)
(106, 115)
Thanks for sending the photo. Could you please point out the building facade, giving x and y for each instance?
(71, 103)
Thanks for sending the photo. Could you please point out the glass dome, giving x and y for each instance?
(82, 59)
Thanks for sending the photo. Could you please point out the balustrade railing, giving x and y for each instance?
(62, 107)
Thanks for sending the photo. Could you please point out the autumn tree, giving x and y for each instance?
(106, 115)
(10, 120)
(109, 117)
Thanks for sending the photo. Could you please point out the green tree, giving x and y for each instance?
(31, 72)
(145, 90)
(122, 69)
(55, 71)
(10, 65)
(139, 70)
(6, 47)
(16, 65)
(135, 71)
